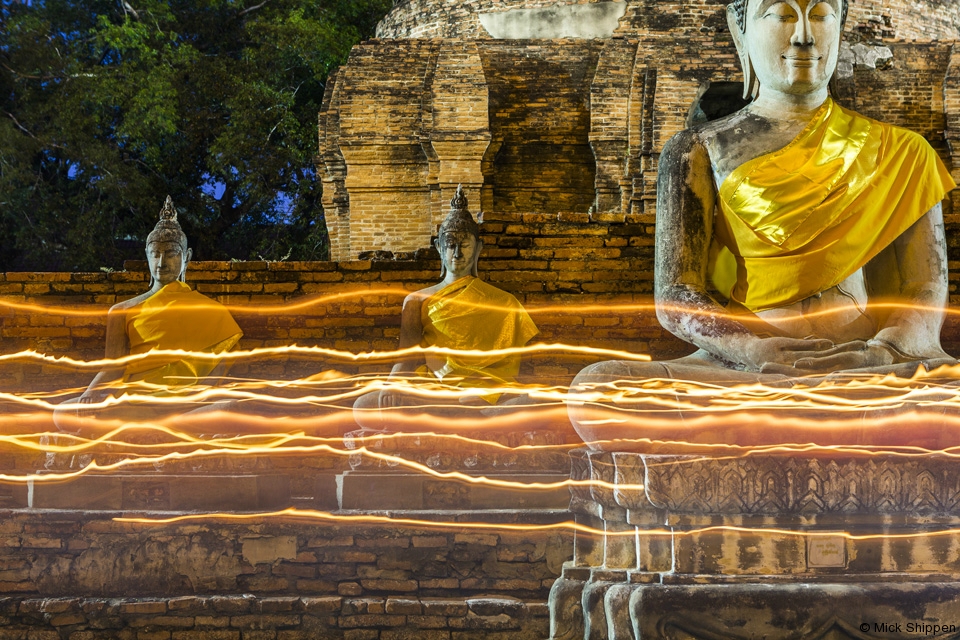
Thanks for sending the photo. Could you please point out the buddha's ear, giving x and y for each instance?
(443, 268)
(751, 86)
(476, 258)
(188, 256)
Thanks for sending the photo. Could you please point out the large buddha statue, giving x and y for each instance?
(461, 313)
(796, 241)
(169, 316)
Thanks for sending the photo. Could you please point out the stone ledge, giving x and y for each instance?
(230, 617)
(78, 554)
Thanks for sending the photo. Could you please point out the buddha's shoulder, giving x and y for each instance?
(706, 134)
(492, 289)
(126, 305)
(183, 295)
(895, 133)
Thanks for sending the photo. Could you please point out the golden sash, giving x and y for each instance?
(176, 317)
(473, 315)
(800, 220)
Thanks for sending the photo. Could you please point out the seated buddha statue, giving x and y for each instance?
(169, 316)
(798, 243)
(461, 313)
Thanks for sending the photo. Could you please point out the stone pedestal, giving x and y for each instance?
(160, 492)
(506, 477)
(775, 546)
(391, 491)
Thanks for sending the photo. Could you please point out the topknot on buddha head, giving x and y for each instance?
(459, 220)
(167, 228)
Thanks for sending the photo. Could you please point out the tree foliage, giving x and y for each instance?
(107, 106)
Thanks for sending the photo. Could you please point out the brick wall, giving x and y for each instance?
(81, 575)
(247, 617)
(551, 127)
(904, 19)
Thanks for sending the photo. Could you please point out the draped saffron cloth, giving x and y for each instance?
(473, 315)
(800, 220)
(176, 317)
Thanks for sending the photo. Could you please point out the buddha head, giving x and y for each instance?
(458, 241)
(167, 251)
(787, 46)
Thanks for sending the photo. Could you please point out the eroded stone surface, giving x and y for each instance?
(596, 20)
(760, 545)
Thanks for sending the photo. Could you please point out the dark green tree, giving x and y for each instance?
(107, 106)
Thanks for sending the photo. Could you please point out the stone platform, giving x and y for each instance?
(772, 546)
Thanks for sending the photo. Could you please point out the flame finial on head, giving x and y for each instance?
(168, 212)
(459, 219)
(168, 229)
(459, 201)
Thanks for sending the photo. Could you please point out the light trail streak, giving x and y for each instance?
(559, 526)
(87, 310)
(712, 411)
(182, 438)
(889, 392)
(817, 405)
(95, 467)
(91, 310)
(322, 352)
(277, 443)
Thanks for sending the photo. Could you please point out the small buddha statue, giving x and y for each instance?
(797, 242)
(169, 316)
(460, 312)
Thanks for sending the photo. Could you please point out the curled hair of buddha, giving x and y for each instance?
(168, 229)
(459, 219)
(740, 10)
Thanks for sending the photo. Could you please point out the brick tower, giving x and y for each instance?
(547, 107)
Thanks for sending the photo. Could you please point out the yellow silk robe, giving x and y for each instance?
(176, 317)
(473, 315)
(802, 219)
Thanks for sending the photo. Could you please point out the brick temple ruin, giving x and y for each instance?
(555, 131)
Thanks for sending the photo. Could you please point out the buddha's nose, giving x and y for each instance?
(802, 34)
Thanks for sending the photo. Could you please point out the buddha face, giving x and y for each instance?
(793, 45)
(459, 251)
(167, 261)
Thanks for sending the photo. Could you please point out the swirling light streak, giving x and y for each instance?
(711, 408)
(93, 467)
(887, 401)
(323, 353)
(277, 443)
(571, 526)
(926, 389)
(32, 441)
(298, 306)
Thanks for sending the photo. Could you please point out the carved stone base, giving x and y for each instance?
(766, 546)
(742, 611)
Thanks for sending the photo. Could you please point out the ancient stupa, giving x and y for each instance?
(539, 106)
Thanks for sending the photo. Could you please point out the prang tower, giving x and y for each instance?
(540, 106)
